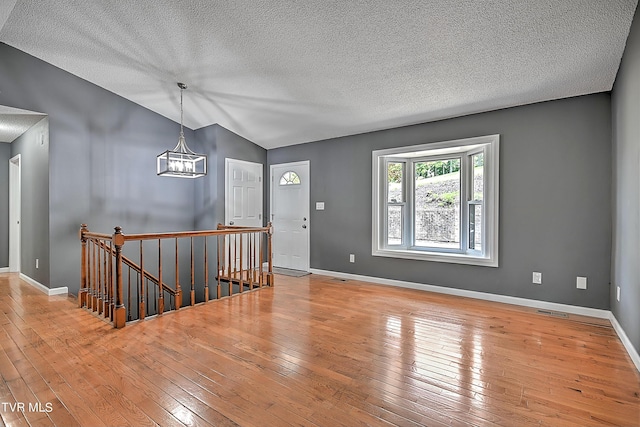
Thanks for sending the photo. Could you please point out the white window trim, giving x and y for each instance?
(491, 144)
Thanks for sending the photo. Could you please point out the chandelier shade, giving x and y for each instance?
(181, 162)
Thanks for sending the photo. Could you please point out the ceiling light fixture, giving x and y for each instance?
(181, 162)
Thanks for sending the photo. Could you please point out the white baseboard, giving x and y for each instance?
(4, 269)
(626, 342)
(573, 309)
(43, 288)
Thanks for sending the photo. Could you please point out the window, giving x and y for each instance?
(290, 178)
(438, 201)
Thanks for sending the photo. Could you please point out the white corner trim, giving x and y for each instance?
(4, 269)
(572, 309)
(633, 353)
(43, 288)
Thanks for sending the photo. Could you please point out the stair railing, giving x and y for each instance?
(121, 289)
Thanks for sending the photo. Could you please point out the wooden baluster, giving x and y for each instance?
(142, 310)
(206, 271)
(193, 291)
(232, 263)
(104, 293)
(241, 282)
(82, 293)
(112, 297)
(96, 267)
(270, 281)
(129, 295)
(249, 260)
(89, 299)
(178, 288)
(228, 239)
(219, 250)
(147, 296)
(105, 260)
(96, 278)
(105, 284)
(235, 253)
(227, 250)
(155, 299)
(261, 250)
(89, 278)
(254, 258)
(161, 298)
(120, 315)
(100, 304)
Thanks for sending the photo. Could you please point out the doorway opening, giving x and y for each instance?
(15, 197)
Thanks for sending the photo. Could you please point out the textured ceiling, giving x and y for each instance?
(14, 122)
(285, 72)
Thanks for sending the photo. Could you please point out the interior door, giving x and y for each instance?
(290, 215)
(14, 213)
(243, 202)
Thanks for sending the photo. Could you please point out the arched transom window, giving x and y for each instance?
(290, 178)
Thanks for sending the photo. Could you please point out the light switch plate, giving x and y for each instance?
(537, 278)
(581, 282)
(319, 206)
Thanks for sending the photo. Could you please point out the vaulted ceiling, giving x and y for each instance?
(281, 72)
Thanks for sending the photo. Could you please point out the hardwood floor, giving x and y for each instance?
(312, 351)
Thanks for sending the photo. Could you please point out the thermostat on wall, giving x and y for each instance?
(319, 206)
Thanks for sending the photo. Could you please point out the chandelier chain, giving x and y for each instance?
(181, 112)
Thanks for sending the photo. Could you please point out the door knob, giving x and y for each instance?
(304, 225)
(231, 223)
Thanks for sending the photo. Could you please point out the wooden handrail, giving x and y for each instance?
(240, 259)
(228, 229)
(130, 263)
(92, 235)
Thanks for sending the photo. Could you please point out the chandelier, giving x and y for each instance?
(181, 162)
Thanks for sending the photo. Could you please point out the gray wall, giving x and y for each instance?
(626, 188)
(33, 147)
(5, 155)
(219, 144)
(102, 161)
(555, 178)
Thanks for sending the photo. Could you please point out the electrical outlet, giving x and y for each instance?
(581, 282)
(618, 293)
(37, 263)
(537, 278)
(352, 258)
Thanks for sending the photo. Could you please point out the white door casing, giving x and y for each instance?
(290, 215)
(15, 197)
(243, 200)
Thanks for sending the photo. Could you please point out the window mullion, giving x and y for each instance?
(464, 202)
(409, 207)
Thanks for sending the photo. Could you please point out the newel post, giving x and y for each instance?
(82, 293)
(119, 319)
(270, 281)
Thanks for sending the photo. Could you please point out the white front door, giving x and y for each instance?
(14, 213)
(243, 204)
(290, 215)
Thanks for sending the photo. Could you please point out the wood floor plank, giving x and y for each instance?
(313, 351)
